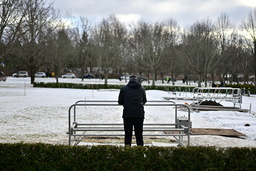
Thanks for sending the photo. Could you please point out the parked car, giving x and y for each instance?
(2, 76)
(88, 76)
(69, 75)
(20, 74)
(123, 77)
(40, 74)
(141, 79)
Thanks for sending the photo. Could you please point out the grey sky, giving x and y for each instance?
(185, 12)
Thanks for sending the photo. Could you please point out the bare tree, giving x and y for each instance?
(108, 42)
(11, 16)
(224, 31)
(170, 61)
(240, 62)
(84, 57)
(200, 50)
(249, 25)
(32, 34)
(150, 43)
(60, 51)
(233, 54)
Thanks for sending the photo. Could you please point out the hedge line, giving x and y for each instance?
(57, 157)
(147, 87)
(247, 87)
(109, 86)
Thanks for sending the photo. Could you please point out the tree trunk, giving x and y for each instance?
(153, 77)
(82, 73)
(254, 54)
(199, 81)
(106, 79)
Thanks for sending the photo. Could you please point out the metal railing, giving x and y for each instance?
(219, 94)
(176, 130)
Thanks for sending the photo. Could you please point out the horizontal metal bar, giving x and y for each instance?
(108, 104)
(122, 129)
(153, 124)
(152, 135)
(114, 101)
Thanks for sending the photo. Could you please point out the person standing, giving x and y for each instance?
(133, 97)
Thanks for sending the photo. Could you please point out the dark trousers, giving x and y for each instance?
(137, 123)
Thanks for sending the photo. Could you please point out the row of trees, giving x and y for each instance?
(33, 35)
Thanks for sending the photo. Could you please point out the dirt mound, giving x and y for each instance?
(210, 102)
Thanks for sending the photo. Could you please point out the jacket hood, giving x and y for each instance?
(133, 83)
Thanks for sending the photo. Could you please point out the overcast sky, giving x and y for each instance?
(185, 12)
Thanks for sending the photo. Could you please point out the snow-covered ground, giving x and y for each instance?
(31, 115)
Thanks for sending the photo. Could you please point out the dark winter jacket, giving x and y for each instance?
(132, 97)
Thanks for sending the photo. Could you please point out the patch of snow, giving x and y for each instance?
(32, 115)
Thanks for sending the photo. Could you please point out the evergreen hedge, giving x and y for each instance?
(247, 87)
(109, 86)
(59, 157)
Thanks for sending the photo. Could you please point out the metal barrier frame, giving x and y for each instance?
(73, 124)
(231, 94)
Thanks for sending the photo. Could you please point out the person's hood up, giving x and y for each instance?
(133, 83)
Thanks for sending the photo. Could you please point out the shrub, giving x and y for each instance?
(59, 157)
(109, 86)
(246, 87)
